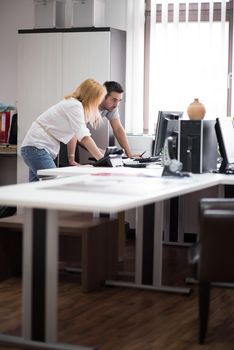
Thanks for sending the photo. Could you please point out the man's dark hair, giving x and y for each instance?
(113, 86)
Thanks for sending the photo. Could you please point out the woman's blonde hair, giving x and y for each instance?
(90, 93)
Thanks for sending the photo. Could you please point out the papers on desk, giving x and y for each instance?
(115, 181)
(107, 184)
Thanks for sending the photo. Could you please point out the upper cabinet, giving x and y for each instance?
(39, 76)
(85, 55)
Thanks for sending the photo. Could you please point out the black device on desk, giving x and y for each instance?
(167, 125)
(112, 158)
(172, 167)
(142, 162)
(148, 159)
(197, 146)
(225, 136)
(133, 164)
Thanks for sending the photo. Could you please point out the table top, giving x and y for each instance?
(106, 190)
(89, 169)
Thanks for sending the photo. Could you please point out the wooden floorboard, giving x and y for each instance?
(128, 319)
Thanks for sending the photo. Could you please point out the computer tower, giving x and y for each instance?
(197, 146)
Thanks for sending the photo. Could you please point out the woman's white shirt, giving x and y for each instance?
(58, 124)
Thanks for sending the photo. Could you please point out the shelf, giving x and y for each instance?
(8, 149)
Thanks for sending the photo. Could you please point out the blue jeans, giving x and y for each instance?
(36, 159)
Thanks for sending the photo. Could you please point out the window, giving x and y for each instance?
(189, 57)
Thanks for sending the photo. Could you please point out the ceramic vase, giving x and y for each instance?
(196, 110)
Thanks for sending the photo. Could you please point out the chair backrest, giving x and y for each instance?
(216, 262)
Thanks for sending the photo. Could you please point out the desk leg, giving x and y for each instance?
(139, 245)
(40, 275)
(149, 251)
(158, 252)
(149, 237)
(27, 273)
(52, 276)
(157, 243)
(181, 220)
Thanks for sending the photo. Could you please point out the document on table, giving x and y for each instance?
(108, 183)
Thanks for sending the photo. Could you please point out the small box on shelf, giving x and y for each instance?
(8, 149)
(88, 13)
(49, 13)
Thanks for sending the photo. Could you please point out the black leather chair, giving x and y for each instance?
(216, 258)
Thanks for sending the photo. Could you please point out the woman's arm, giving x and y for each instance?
(71, 151)
(91, 146)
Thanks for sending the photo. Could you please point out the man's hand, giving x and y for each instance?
(136, 156)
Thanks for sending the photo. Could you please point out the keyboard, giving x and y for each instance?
(230, 169)
(136, 165)
(141, 162)
(148, 159)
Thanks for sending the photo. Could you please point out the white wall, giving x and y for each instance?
(14, 15)
(121, 14)
(19, 14)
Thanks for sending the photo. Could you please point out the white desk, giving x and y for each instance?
(89, 169)
(103, 190)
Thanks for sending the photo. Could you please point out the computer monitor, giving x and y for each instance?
(167, 125)
(225, 136)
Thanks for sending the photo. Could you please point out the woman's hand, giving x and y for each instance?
(71, 149)
(71, 160)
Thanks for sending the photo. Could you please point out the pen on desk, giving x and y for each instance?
(142, 154)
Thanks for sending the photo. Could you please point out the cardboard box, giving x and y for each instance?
(49, 13)
(88, 13)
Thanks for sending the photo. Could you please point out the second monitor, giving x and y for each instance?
(225, 135)
(167, 125)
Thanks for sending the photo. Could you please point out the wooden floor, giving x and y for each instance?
(128, 319)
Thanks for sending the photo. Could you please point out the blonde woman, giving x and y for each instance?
(64, 122)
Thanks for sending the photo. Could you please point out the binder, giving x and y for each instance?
(5, 125)
(12, 134)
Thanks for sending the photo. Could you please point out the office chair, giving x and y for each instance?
(216, 258)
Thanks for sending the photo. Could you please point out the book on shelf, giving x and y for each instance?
(8, 125)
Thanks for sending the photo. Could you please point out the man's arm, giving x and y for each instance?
(121, 136)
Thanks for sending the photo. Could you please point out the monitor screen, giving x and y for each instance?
(225, 136)
(167, 125)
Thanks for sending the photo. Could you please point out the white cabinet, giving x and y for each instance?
(39, 82)
(85, 55)
(53, 62)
